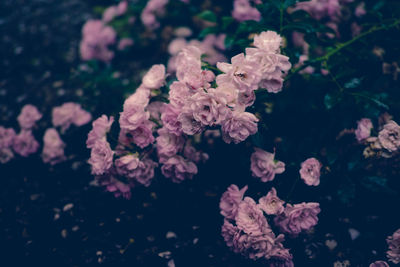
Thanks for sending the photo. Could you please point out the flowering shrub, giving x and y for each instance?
(290, 98)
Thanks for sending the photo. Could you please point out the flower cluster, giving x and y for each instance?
(211, 47)
(386, 144)
(97, 37)
(149, 14)
(25, 144)
(246, 230)
(193, 107)
(393, 242)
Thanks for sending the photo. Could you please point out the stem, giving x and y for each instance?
(340, 46)
(325, 64)
(292, 189)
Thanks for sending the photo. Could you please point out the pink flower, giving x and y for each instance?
(243, 73)
(229, 232)
(96, 39)
(268, 41)
(144, 174)
(230, 93)
(101, 157)
(240, 126)
(389, 136)
(393, 242)
(110, 13)
(69, 113)
(115, 186)
(122, 7)
(28, 117)
(250, 219)
(272, 67)
(155, 77)
(363, 131)
(311, 171)
(176, 45)
(264, 166)
(207, 108)
(242, 11)
(178, 94)
(7, 136)
(169, 118)
(271, 204)
(178, 169)
(298, 217)
(379, 264)
(256, 246)
(360, 10)
(25, 144)
(190, 153)
(152, 8)
(230, 200)
(319, 9)
(168, 144)
(124, 43)
(142, 136)
(246, 98)
(100, 127)
(53, 148)
(155, 110)
(189, 125)
(141, 97)
(133, 117)
(127, 165)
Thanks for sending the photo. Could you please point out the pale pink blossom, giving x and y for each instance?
(7, 136)
(155, 77)
(178, 169)
(239, 126)
(53, 148)
(389, 136)
(264, 165)
(100, 127)
(363, 131)
(311, 171)
(271, 204)
(28, 117)
(124, 43)
(297, 218)
(242, 11)
(101, 157)
(393, 242)
(243, 73)
(25, 143)
(168, 144)
(230, 200)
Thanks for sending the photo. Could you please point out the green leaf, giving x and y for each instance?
(332, 99)
(377, 184)
(208, 16)
(346, 193)
(207, 31)
(229, 40)
(288, 3)
(226, 22)
(375, 98)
